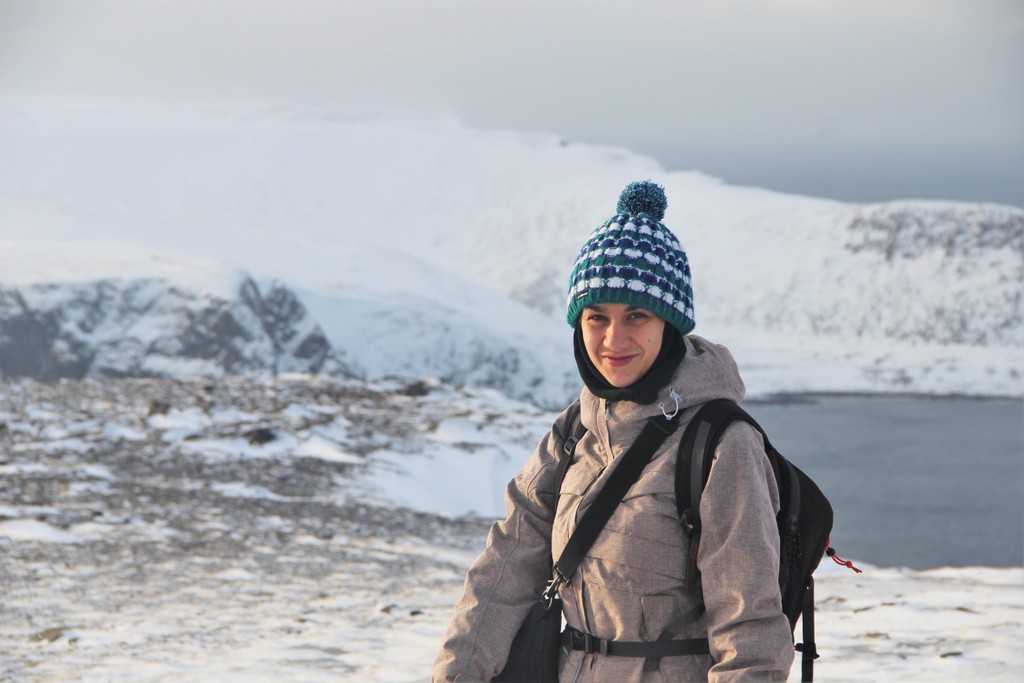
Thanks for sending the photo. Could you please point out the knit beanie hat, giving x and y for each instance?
(634, 259)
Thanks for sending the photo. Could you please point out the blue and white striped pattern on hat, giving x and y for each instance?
(634, 259)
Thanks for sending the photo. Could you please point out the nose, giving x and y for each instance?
(616, 336)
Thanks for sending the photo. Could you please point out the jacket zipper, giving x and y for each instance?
(579, 668)
(579, 593)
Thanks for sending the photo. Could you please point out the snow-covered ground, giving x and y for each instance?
(318, 529)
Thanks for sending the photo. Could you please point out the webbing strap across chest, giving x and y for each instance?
(625, 474)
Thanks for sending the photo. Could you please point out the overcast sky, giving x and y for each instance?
(866, 100)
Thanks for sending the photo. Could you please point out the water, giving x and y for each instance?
(915, 481)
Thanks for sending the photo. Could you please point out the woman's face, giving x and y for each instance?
(622, 341)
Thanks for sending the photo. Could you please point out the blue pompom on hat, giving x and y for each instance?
(634, 259)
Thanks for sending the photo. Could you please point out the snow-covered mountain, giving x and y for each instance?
(152, 324)
(415, 248)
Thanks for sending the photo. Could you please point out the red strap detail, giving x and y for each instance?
(838, 560)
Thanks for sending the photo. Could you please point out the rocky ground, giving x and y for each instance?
(129, 550)
(240, 530)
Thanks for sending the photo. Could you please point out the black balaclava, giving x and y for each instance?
(644, 390)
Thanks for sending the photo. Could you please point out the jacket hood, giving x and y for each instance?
(707, 372)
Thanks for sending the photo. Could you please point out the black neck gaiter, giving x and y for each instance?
(644, 390)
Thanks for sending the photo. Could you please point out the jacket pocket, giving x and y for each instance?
(580, 478)
(579, 482)
(659, 613)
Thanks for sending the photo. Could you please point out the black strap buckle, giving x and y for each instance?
(551, 589)
(594, 645)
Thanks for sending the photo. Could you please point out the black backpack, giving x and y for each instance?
(804, 519)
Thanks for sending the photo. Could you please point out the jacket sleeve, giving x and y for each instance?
(506, 579)
(738, 559)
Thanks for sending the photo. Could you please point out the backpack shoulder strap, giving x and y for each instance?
(575, 433)
(696, 453)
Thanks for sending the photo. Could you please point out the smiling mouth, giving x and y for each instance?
(619, 361)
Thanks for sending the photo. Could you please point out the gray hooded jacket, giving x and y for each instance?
(631, 584)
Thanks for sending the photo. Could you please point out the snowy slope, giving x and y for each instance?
(424, 248)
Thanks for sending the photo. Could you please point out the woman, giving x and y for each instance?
(630, 302)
